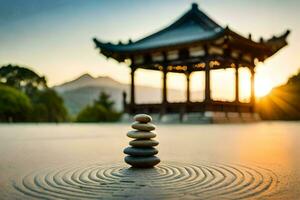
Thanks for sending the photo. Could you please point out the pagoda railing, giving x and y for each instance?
(189, 107)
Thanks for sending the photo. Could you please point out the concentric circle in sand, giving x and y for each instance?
(166, 181)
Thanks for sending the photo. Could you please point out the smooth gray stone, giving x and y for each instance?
(141, 134)
(143, 143)
(142, 162)
(141, 151)
(143, 126)
(142, 118)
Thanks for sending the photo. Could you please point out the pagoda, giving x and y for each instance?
(193, 43)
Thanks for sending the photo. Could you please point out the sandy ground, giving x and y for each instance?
(71, 161)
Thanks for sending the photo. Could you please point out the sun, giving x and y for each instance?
(262, 87)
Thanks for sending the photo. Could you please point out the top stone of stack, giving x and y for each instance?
(143, 118)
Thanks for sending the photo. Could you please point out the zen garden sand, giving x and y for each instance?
(198, 162)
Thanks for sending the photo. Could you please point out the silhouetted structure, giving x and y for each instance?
(193, 43)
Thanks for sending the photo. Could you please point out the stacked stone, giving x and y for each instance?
(142, 153)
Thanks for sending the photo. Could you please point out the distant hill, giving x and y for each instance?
(86, 80)
(85, 89)
(283, 102)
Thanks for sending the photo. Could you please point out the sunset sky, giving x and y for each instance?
(54, 37)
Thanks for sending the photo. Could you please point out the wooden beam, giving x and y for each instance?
(252, 79)
(188, 86)
(207, 83)
(164, 88)
(237, 88)
(132, 86)
(207, 77)
(124, 95)
(225, 62)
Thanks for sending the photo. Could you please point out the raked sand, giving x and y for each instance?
(85, 161)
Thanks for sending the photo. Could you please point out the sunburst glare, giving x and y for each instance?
(262, 87)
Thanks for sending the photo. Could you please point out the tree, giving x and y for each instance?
(104, 100)
(95, 113)
(282, 103)
(22, 78)
(101, 111)
(48, 107)
(294, 79)
(15, 106)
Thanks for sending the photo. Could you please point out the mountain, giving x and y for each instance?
(86, 80)
(85, 89)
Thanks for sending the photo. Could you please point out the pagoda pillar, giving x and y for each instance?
(237, 88)
(164, 88)
(252, 77)
(188, 86)
(132, 86)
(207, 82)
(124, 100)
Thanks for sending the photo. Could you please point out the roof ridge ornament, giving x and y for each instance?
(250, 36)
(261, 40)
(194, 6)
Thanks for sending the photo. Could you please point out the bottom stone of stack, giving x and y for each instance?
(142, 162)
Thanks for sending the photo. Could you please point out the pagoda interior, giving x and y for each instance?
(193, 43)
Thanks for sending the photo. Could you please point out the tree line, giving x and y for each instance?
(283, 102)
(26, 97)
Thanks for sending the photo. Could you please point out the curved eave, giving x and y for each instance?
(277, 43)
(267, 48)
(264, 48)
(237, 38)
(124, 50)
(107, 50)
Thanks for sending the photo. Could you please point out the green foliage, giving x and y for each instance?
(22, 78)
(101, 111)
(15, 106)
(48, 107)
(93, 113)
(283, 102)
(104, 100)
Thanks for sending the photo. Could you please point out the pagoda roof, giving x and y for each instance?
(194, 27)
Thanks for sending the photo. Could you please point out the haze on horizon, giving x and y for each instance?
(54, 37)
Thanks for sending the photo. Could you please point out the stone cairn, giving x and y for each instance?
(142, 153)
